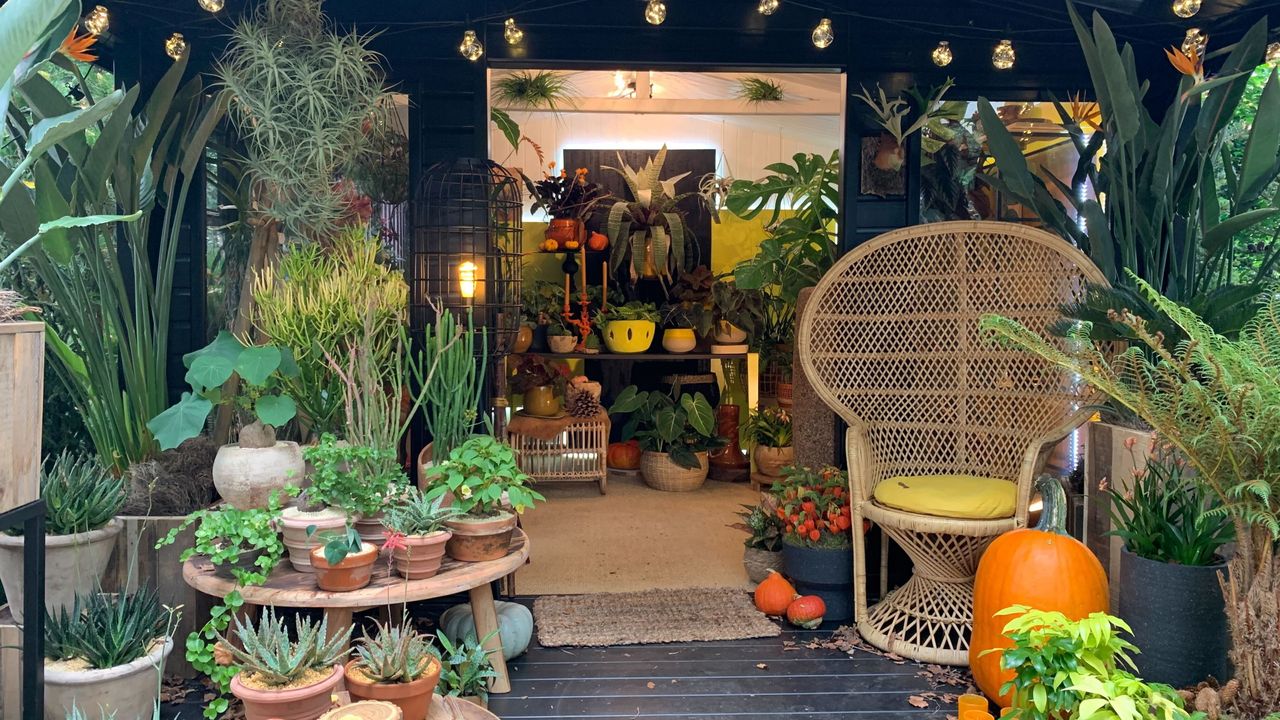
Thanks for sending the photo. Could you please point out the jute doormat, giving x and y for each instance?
(652, 616)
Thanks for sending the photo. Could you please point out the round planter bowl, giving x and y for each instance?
(303, 703)
(73, 565)
(759, 562)
(541, 401)
(524, 339)
(246, 477)
(480, 539)
(413, 698)
(825, 572)
(726, 333)
(629, 336)
(293, 525)
(679, 340)
(128, 691)
(354, 572)
(422, 555)
(247, 561)
(660, 473)
(562, 343)
(771, 460)
(1184, 652)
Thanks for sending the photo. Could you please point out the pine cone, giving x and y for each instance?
(584, 405)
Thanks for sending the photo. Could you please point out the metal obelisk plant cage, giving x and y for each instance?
(465, 255)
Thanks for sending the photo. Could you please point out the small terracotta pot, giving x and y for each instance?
(480, 539)
(541, 401)
(422, 555)
(371, 530)
(293, 525)
(413, 698)
(354, 572)
(524, 338)
(564, 230)
(771, 460)
(304, 703)
(784, 394)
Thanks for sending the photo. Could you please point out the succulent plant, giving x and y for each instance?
(276, 660)
(106, 630)
(416, 515)
(79, 494)
(396, 654)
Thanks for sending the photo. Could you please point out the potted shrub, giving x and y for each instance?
(763, 551)
(420, 525)
(81, 501)
(567, 200)
(560, 336)
(648, 232)
(342, 561)
(241, 544)
(248, 471)
(398, 665)
(485, 480)
(817, 545)
(282, 678)
(354, 482)
(107, 652)
(629, 328)
(541, 382)
(1172, 533)
(676, 433)
(769, 433)
(690, 311)
(467, 670)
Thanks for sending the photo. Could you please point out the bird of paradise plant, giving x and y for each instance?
(77, 47)
(648, 233)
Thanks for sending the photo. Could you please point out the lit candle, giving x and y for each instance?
(566, 294)
(970, 701)
(583, 265)
(604, 285)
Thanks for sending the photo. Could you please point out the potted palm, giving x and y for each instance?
(107, 652)
(467, 670)
(485, 480)
(676, 433)
(282, 677)
(81, 500)
(398, 665)
(769, 434)
(629, 328)
(420, 523)
(763, 547)
(817, 544)
(648, 232)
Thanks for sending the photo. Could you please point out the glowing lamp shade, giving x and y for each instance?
(97, 20)
(467, 280)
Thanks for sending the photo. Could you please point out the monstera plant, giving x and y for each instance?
(648, 233)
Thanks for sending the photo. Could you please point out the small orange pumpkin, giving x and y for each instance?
(597, 241)
(806, 611)
(624, 455)
(774, 594)
(1040, 567)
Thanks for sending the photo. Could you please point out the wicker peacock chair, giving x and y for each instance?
(946, 431)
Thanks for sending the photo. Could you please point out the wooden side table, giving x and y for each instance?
(577, 454)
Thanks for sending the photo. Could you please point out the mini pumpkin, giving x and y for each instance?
(624, 455)
(806, 611)
(774, 594)
(597, 241)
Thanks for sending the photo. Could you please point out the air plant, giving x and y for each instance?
(759, 90)
(891, 113)
(528, 90)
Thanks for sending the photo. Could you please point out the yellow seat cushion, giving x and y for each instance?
(954, 496)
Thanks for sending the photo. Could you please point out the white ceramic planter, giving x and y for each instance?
(562, 343)
(129, 691)
(73, 564)
(246, 477)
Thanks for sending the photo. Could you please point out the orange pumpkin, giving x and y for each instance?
(774, 594)
(597, 241)
(624, 455)
(806, 611)
(1040, 567)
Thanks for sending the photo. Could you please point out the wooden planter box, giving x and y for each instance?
(21, 411)
(1107, 458)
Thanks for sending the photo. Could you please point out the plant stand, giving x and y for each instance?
(576, 452)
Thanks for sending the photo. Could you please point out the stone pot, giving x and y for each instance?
(352, 573)
(413, 698)
(73, 565)
(771, 460)
(477, 539)
(726, 333)
(293, 525)
(1194, 645)
(660, 473)
(679, 340)
(246, 477)
(524, 339)
(129, 690)
(303, 703)
(562, 343)
(422, 554)
(759, 562)
(541, 401)
(825, 572)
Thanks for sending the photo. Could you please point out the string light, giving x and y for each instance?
(511, 33)
(212, 6)
(655, 11)
(97, 21)
(471, 48)
(176, 46)
(1195, 41)
(941, 55)
(767, 7)
(1273, 54)
(1186, 8)
(823, 35)
(1003, 56)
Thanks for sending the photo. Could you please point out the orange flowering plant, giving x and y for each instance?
(565, 196)
(814, 506)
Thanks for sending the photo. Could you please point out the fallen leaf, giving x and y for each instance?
(762, 666)
(917, 701)
(650, 685)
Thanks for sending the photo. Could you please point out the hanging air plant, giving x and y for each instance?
(759, 90)
(528, 90)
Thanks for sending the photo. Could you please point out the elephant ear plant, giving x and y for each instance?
(678, 424)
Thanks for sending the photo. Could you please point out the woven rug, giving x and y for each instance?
(652, 616)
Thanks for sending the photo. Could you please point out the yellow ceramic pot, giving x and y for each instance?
(629, 336)
(541, 401)
(679, 340)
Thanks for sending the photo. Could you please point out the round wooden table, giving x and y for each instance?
(287, 587)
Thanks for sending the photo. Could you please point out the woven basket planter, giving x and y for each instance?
(661, 473)
(759, 562)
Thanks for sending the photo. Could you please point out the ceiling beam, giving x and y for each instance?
(667, 106)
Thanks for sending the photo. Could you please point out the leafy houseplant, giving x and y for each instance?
(239, 543)
(629, 328)
(280, 676)
(738, 311)
(467, 669)
(421, 525)
(768, 433)
(891, 113)
(690, 303)
(648, 233)
(676, 431)
(564, 196)
(349, 477)
(397, 664)
(1168, 518)
(542, 382)
(530, 89)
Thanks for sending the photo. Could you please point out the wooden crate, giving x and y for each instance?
(21, 411)
(578, 454)
(162, 571)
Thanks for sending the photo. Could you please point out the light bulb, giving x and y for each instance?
(823, 35)
(512, 33)
(467, 279)
(471, 48)
(97, 21)
(1186, 8)
(1273, 54)
(1195, 41)
(655, 11)
(767, 7)
(176, 46)
(942, 54)
(1003, 56)
(212, 6)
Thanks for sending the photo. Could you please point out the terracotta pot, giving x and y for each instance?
(293, 525)
(564, 230)
(524, 338)
(562, 343)
(480, 539)
(541, 401)
(354, 572)
(371, 530)
(73, 565)
(679, 340)
(422, 554)
(246, 477)
(413, 698)
(304, 703)
(123, 691)
(771, 460)
(784, 394)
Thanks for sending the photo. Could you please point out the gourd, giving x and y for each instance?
(515, 626)
(1040, 567)
(774, 594)
(806, 611)
(624, 455)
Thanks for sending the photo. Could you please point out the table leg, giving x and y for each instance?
(486, 617)
(337, 621)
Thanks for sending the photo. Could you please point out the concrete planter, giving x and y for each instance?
(73, 565)
(246, 477)
(129, 691)
(825, 572)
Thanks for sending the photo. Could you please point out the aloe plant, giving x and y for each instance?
(107, 630)
(395, 654)
(650, 225)
(276, 660)
(79, 494)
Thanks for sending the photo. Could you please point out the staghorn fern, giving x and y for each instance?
(277, 661)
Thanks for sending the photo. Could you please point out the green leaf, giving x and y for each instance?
(684, 457)
(510, 130)
(256, 364)
(1216, 238)
(209, 371)
(1260, 152)
(275, 410)
(24, 24)
(700, 414)
(669, 423)
(1009, 158)
(50, 131)
(181, 422)
(225, 345)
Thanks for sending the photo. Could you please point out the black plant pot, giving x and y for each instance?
(1178, 619)
(539, 344)
(827, 573)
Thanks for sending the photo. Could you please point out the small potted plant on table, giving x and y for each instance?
(629, 328)
(421, 524)
(817, 544)
(676, 433)
(284, 679)
(561, 337)
(763, 551)
(241, 544)
(398, 665)
(485, 480)
(769, 433)
(568, 200)
(341, 561)
(467, 670)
